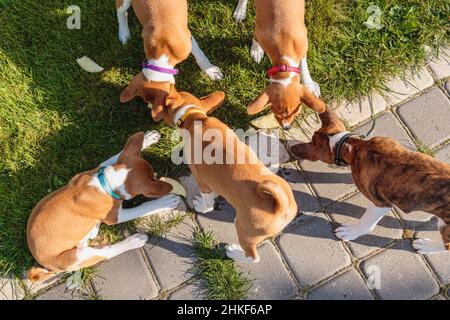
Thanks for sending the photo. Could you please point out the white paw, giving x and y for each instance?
(235, 252)
(314, 87)
(167, 202)
(137, 240)
(349, 232)
(213, 73)
(256, 52)
(427, 246)
(124, 34)
(150, 137)
(203, 205)
(239, 13)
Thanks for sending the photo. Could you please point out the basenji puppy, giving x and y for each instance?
(281, 33)
(167, 42)
(263, 201)
(387, 174)
(61, 224)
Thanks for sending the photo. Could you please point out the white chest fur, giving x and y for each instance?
(152, 75)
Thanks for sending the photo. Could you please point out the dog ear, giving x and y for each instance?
(213, 101)
(306, 151)
(128, 93)
(134, 144)
(308, 98)
(157, 188)
(259, 104)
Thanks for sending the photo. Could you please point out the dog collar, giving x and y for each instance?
(281, 68)
(338, 156)
(146, 65)
(105, 186)
(185, 112)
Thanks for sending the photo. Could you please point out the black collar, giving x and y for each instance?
(338, 156)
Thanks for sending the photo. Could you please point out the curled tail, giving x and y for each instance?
(273, 190)
(38, 273)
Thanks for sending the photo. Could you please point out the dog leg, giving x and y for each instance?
(256, 52)
(427, 246)
(240, 11)
(365, 225)
(86, 257)
(235, 252)
(165, 203)
(207, 67)
(150, 137)
(306, 78)
(122, 16)
(204, 202)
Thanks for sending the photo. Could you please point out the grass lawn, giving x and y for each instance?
(57, 120)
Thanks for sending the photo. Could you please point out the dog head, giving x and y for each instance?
(176, 100)
(285, 101)
(140, 179)
(319, 148)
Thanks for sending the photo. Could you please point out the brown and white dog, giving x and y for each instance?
(167, 42)
(263, 201)
(280, 32)
(62, 223)
(387, 174)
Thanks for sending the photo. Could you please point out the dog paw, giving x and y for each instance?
(203, 205)
(235, 252)
(256, 52)
(213, 73)
(150, 137)
(167, 202)
(240, 13)
(124, 35)
(137, 240)
(349, 232)
(314, 87)
(427, 246)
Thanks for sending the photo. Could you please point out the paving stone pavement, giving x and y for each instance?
(307, 261)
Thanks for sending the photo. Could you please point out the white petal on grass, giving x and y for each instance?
(177, 188)
(266, 122)
(88, 65)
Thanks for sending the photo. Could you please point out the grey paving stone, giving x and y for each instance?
(271, 280)
(307, 203)
(171, 256)
(441, 64)
(220, 222)
(414, 220)
(443, 154)
(190, 291)
(387, 126)
(350, 211)
(447, 87)
(329, 182)
(61, 293)
(312, 251)
(361, 109)
(439, 297)
(403, 274)
(268, 148)
(125, 277)
(10, 289)
(427, 116)
(348, 286)
(440, 262)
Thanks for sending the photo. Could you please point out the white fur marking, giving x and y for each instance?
(122, 17)
(207, 67)
(181, 112)
(115, 179)
(256, 52)
(235, 252)
(152, 75)
(204, 202)
(332, 140)
(365, 225)
(166, 203)
(287, 81)
(306, 78)
(241, 11)
(427, 246)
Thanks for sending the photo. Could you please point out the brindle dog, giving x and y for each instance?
(387, 174)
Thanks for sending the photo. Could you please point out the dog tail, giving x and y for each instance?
(38, 273)
(273, 190)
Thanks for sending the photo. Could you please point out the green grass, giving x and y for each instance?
(223, 281)
(422, 148)
(156, 226)
(57, 120)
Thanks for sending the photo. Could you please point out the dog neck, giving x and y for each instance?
(184, 112)
(153, 75)
(285, 78)
(346, 149)
(115, 178)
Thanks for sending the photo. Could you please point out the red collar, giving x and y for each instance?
(281, 68)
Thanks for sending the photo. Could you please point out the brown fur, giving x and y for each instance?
(264, 203)
(165, 32)
(385, 172)
(63, 218)
(280, 30)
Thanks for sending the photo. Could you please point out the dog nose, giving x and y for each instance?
(286, 126)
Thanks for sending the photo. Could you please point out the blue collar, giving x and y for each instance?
(105, 186)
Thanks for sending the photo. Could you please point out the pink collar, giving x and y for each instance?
(282, 68)
(153, 67)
